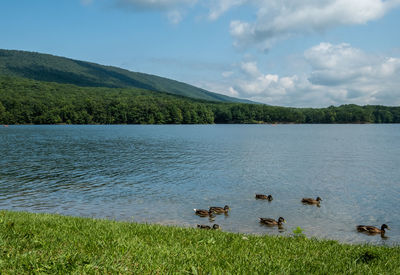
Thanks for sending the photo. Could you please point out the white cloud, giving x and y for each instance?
(250, 68)
(339, 74)
(218, 7)
(337, 64)
(233, 92)
(173, 9)
(280, 19)
(275, 19)
(217, 87)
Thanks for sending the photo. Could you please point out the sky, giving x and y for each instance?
(309, 53)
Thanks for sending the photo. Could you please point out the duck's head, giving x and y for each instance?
(270, 198)
(281, 220)
(216, 226)
(226, 207)
(384, 226)
(318, 199)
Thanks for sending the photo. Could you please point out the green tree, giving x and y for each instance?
(2, 113)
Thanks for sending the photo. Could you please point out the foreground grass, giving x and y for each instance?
(44, 243)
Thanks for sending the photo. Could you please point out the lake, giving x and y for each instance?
(159, 173)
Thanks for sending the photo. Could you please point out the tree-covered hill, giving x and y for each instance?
(26, 101)
(45, 67)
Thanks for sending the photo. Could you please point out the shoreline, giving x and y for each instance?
(250, 123)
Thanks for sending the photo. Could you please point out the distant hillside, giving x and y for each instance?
(45, 67)
(27, 101)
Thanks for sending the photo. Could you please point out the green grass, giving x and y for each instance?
(44, 243)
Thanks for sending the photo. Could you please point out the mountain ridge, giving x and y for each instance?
(52, 68)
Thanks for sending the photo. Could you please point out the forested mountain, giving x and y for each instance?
(45, 67)
(26, 101)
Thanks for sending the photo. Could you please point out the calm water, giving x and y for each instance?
(158, 174)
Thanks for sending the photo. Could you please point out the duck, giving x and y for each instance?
(269, 221)
(215, 226)
(372, 229)
(311, 201)
(219, 210)
(203, 212)
(202, 226)
(264, 197)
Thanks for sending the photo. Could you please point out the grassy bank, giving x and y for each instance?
(58, 244)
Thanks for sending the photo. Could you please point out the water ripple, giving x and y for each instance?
(158, 174)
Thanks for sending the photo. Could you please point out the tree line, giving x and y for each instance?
(24, 101)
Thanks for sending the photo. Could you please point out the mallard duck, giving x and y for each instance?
(202, 226)
(311, 201)
(219, 210)
(215, 226)
(264, 197)
(203, 212)
(372, 229)
(269, 221)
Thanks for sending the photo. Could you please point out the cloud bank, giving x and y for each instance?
(275, 19)
(280, 19)
(339, 74)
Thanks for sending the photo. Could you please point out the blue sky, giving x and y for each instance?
(312, 53)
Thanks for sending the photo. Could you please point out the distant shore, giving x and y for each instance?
(244, 123)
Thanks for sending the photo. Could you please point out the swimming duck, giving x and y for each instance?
(372, 229)
(219, 210)
(269, 221)
(311, 201)
(264, 197)
(215, 226)
(203, 212)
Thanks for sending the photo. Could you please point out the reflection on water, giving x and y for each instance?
(158, 174)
